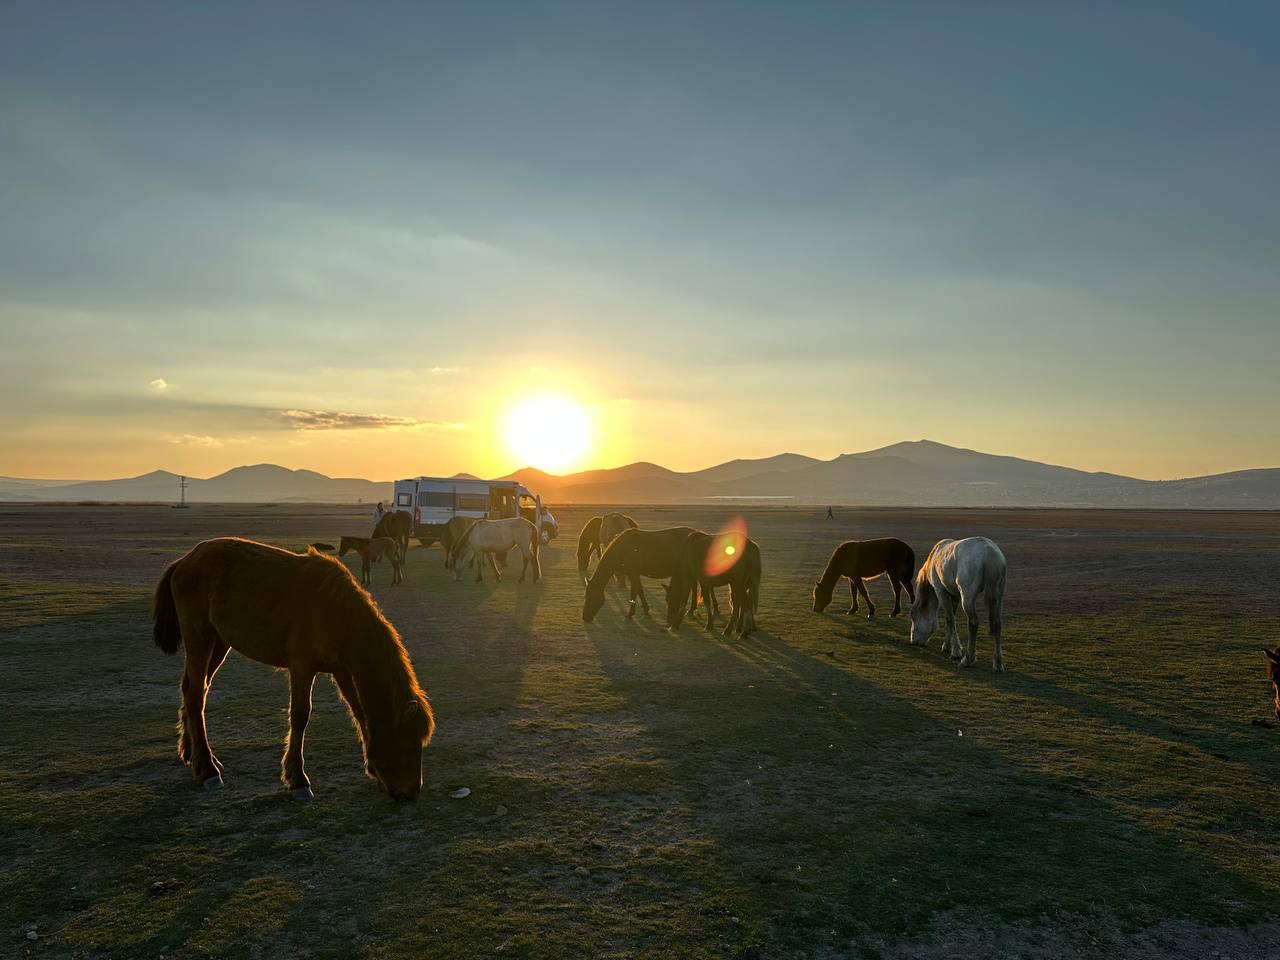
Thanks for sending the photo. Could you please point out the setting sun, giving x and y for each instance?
(550, 433)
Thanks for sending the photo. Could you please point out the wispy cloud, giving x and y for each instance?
(339, 420)
(444, 371)
(159, 385)
(192, 440)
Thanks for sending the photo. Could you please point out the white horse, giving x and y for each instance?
(960, 573)
(485, 538)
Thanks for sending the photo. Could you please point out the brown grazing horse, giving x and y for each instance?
(1273, 674)
(397, 525)
(306, 614)
(454, 531)
(372, 550)
(635, 554)
(743, 579)
(865, 560)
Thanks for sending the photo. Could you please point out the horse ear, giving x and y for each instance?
(1272, 655)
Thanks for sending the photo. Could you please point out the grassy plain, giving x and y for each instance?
(820, 790)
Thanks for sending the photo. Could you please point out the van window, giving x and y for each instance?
(404, 499)
(436, 498)
(473, 501)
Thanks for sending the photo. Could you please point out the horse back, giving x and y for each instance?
(257, 598)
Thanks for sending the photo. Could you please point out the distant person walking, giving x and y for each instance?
(830, 515)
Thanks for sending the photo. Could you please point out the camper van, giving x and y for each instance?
(434, 501)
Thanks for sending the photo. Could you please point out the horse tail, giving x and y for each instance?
(164, 616)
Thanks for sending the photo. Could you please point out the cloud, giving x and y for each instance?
(443, 371)
(159, 385)
(337, 420)
(190, 439)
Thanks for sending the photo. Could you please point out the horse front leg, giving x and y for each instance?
(291, 772)
(194, 690)
(635, 591)
(950, 641)
(862, 589)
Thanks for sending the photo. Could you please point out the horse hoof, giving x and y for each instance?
(213, 783)
(303, 793)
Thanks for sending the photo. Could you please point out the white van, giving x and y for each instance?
(434, 501)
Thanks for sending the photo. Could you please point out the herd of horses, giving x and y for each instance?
(306, 614)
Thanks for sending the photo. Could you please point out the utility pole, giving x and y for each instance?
(182, 488)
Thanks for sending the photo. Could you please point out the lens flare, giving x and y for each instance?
(726, 547)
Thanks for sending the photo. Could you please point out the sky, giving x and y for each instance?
(355, 238)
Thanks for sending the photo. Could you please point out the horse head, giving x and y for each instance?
(394, 753)
(593, 600)
(924, 614)
(821, 597)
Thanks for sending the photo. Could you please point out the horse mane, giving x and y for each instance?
(380, 651)
(831, 572)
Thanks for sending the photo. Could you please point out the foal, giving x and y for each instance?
(373, 549)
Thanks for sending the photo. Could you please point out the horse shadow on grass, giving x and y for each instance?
(844, 806)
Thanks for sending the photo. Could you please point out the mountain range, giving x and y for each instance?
(912, 473)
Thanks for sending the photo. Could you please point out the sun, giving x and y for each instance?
(550, 433)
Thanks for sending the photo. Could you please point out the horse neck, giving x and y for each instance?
(379, 675)
(609, 561)
(833, 571)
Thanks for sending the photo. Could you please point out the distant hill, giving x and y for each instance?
(260, 483)
(919, 472)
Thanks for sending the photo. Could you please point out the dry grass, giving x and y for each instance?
(819, 790)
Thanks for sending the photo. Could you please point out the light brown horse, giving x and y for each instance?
(493, 538)
(861, 560)
(397, 525)
(373, 549)
(306, 614)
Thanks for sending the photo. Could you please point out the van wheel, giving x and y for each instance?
(545, 536)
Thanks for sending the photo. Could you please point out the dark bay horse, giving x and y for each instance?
(397, 525)
(371, 550)
(637, 553)
(306, 614)
(865, 560)
(743, 578)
